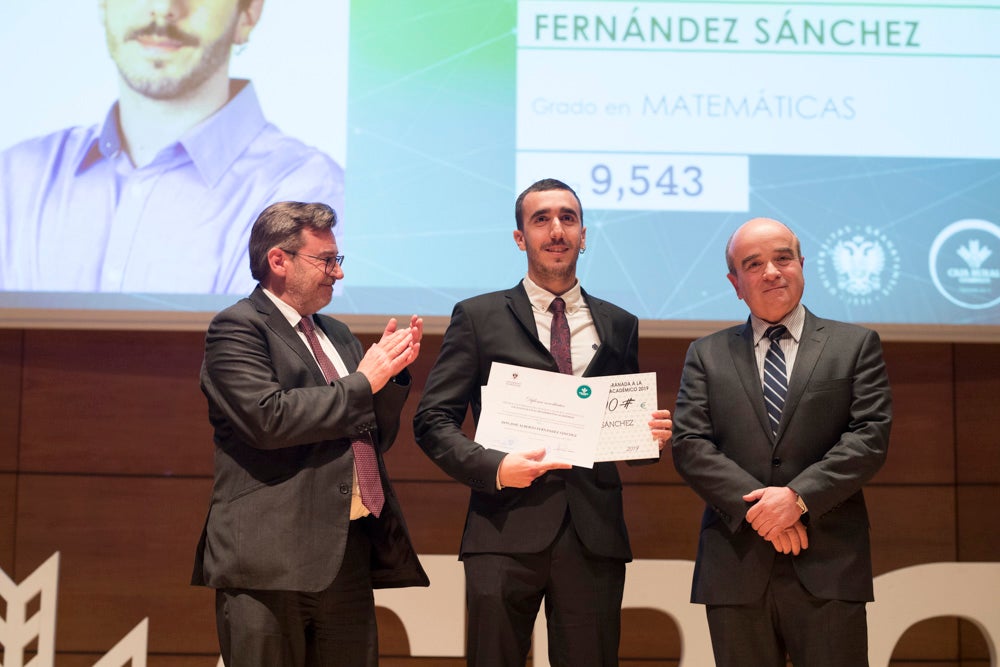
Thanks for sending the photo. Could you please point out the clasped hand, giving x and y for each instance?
(776, 518)
(397, 349)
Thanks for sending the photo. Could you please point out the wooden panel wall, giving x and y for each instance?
(106, 457)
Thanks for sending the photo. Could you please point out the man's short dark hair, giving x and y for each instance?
(280, 225)
(543, 185)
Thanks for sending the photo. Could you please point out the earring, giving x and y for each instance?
(583, 250)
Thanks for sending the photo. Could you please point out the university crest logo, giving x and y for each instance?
(858, 265)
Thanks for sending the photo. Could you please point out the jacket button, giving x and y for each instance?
(345, 488)
(776, 462)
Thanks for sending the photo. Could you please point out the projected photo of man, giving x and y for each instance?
(160, 196)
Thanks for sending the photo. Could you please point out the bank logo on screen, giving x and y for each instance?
(965, 263)
(858, 265)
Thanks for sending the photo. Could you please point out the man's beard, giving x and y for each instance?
(161, 86)
(559, 272)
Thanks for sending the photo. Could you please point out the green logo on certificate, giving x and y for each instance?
(583, 391)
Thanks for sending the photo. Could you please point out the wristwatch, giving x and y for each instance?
(801, 504)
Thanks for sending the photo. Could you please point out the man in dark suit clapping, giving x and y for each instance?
(303, 522)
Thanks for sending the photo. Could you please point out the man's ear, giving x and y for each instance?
(277, 260)
(519, 238)
(247, 20)
(736, 284)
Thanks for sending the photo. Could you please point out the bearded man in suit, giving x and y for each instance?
(779, 422)
(536, 529)
(303, 522)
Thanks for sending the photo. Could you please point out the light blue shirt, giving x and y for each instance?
(77, 216)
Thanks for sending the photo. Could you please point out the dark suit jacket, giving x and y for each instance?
(833, 437)
(280, 505)
(500, 326)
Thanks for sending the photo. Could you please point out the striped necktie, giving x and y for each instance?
(775, 376)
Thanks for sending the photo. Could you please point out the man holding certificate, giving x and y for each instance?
(537, 526)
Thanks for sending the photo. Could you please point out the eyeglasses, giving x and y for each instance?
(329, 263)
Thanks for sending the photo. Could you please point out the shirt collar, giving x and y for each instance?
(290, 313)
(109, 140)
(216, 142)
(106, 145)
(793, 321)
(541, 298)
(213, 144)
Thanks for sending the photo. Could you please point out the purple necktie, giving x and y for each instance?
(365, 462)
(559, 342)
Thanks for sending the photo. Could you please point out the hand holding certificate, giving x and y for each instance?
(576, 420)
(625, 431)
(526, 409)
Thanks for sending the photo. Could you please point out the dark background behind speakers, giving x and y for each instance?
(106, 457)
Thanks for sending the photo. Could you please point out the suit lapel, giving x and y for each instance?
(344, 348)
(811, 345)
(278, 324)
(605, 333)
(744, 360)
(520, 306)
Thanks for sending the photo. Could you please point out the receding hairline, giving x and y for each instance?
(730, 260)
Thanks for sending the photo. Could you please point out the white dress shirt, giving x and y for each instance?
(582, 332)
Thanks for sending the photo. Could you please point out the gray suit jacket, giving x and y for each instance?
(280, 506)
(500, 327)
(833, 437)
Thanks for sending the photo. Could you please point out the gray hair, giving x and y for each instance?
(280, 226)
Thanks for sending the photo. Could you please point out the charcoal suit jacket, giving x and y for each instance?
(279, 513)
(500, 326)
(833, 437)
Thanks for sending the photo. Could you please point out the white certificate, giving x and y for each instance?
(625, 428)
(525, 409)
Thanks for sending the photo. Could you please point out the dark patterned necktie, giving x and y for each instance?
(559, 341)
(365, 462)
(775, 376)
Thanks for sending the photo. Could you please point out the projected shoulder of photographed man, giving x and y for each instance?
(160, 196)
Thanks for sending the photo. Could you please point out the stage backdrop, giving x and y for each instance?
(106, 457)
(867, 127)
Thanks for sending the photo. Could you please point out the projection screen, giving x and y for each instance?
(868, 128)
